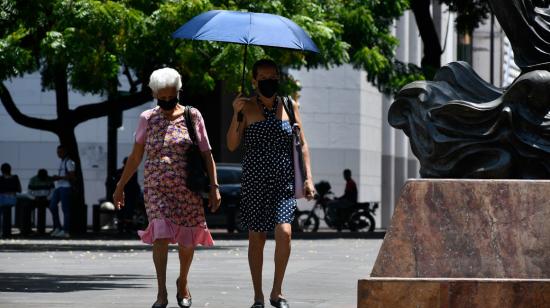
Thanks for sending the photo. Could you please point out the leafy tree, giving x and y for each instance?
(89, 45)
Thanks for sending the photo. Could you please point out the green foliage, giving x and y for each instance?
(15, 60)
(470, 13)
(95, 40)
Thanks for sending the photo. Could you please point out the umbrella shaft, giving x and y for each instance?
(243, 90)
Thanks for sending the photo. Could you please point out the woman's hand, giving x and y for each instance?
(309, 190)
(214, 199)
(239, 102)
(118, 197)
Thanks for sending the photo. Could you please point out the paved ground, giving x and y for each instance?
(120, 273)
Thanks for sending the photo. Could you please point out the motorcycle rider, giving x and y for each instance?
(341, 205)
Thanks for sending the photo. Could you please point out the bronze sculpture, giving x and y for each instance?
(463, 127)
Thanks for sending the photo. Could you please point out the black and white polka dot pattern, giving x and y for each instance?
(268, 174)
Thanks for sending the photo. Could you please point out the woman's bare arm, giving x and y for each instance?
(134, 159)
(236, 129)
(308, 182)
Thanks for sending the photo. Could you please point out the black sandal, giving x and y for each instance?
(182, 301)
(279, 303)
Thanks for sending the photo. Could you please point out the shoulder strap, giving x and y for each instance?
(189, 124)
(289, 108)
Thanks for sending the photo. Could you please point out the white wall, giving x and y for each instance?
(28, 150)
(342, 119)
(482, 51)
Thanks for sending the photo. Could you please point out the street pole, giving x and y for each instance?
(492, 50)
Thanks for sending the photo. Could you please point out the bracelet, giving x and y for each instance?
(214, 185)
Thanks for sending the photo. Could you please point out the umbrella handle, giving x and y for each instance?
(243, 90)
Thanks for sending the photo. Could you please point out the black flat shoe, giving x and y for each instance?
(257, 305)
(156, 305)
(182, 302)
(279, 303)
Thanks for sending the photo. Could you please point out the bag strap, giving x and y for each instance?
(289, 108)
(189, 124)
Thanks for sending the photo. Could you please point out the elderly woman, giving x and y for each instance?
(175, 212)
(268, 186)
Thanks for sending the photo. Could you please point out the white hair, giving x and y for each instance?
(165, 78)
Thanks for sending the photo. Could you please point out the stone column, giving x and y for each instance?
(388, 165)
(401, 140)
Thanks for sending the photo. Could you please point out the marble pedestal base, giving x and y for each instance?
(455, 229)
(453, 293)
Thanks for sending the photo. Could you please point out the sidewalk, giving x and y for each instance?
(119, 273)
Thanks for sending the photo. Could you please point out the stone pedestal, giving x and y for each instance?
(455, 229)
(454, 293)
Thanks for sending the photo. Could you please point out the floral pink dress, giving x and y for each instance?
(175, 212)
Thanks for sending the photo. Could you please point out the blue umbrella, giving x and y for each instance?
(246, 28)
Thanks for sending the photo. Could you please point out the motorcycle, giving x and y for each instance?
(357, 217)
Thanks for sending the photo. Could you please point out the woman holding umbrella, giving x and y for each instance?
(175, 213)
(268, 188)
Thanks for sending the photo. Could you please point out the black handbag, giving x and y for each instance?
(197, 177)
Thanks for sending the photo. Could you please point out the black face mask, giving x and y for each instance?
(268, 87)
(168, 105)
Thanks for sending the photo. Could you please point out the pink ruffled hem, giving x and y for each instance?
(185, 236)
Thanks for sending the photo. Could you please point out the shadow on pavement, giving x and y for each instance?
(50, 283)
(107, 247)
(307, 235)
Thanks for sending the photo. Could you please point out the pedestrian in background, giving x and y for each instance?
(41, 187)
(339, 207)
(63, 193)
(9, 187)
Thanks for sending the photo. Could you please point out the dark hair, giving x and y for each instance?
(347, 172)
(42, 174)
(61, 146)
(125, 160)
(263, 63)
(6, 168)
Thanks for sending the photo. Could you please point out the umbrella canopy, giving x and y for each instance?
(246, 28)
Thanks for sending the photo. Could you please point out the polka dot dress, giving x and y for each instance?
(268, 173)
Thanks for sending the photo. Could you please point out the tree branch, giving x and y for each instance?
(20, 118)
(119, 103)
(133, 84)
(431, 61)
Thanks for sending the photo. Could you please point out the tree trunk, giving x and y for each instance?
(66, 135)
(78, 206)
(431, 61)
(114, 121)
